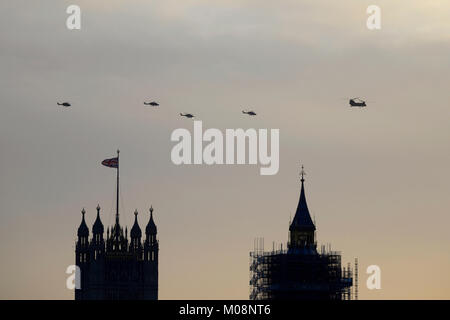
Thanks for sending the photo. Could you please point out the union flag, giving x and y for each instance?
(112, 163)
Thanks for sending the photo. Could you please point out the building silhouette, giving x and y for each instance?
(116, 268)
(300, 271)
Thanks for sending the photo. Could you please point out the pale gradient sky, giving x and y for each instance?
(378, 179)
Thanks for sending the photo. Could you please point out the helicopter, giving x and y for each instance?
(64, 104)
(153, 104)
(187, 115)
(250, 113)
(357, 102)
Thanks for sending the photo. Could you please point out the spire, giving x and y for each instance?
(98, 228)
(151, 226)
(83, 230)
(302, 219)
(135, 230)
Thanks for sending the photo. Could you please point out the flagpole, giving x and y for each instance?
(117, 196)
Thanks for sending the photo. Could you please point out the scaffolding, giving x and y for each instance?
(304, 274)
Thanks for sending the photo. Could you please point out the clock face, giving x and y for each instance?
(166, 135)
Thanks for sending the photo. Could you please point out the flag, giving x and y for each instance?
(112, 163)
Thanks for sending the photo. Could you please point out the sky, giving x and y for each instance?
(377, 178)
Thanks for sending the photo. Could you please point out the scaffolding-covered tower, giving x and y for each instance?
(299, 272)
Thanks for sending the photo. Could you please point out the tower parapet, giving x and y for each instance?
(117, 269)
